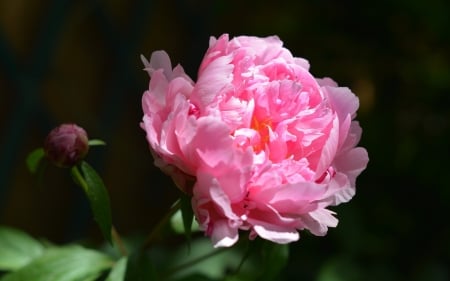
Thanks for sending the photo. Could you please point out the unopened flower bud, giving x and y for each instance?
(66, 145)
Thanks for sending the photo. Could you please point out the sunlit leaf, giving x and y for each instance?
(118, 271)
(177, 223)
(71, 263)
(99, 199)
(17, 248)
(34, 159)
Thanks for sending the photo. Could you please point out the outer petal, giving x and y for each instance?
(352, 163)
(329, 150)
(223, 235)
(213, 208)
(340, 190)
(212, 80)
(153, 100)
(318, 221)
(276, 235)
(158, 60)
(342, 100)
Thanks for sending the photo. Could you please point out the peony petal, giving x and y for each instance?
(276, 235)
(223, 235)
(317, 222)
(160, 60)
(153, 100)
(298, 193)
(329, 150)
(221, 200)
(352, 163)
(211, 142)
(302, 62)
(340, 190)
(344, 129)
(342, 100)
(215, 77)
(178, 71)
(152, 126)
(179, 90)
(326, 82)
(353, 137)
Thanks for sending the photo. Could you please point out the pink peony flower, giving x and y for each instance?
(270, 147)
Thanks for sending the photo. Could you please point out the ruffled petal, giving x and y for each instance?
(223, 235)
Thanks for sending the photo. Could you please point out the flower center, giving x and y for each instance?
(263, 128)
(193, 110)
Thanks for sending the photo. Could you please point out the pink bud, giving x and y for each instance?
(66, 145)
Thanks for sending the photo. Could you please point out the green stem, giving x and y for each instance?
(79, 179)
(194, 261)
(118, 240)
(158, 228)
(250, 247)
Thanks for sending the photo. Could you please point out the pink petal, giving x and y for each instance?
(212, 80)
(340, 190)
(342, 100)
(223, 235)
(211, 142)
(221, 200)
(329, 149)
(294, 192)
(273, 234)
(353, 136)
(326, 82)
(317, 222)
(352, 163)
(160, 60)
(153, 100)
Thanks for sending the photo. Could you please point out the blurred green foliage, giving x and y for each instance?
(79, 61)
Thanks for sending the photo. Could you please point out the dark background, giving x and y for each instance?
(78, 61)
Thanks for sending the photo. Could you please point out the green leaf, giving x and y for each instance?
(94, 142)
(99, 199)
(118, 271)
(140, 268)
(17, 248)
(176, 221)
(196, 277)
(187, 214)
(343, 268)
(34, 159)
(72, 263)
(274, 258)
(201, 259)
